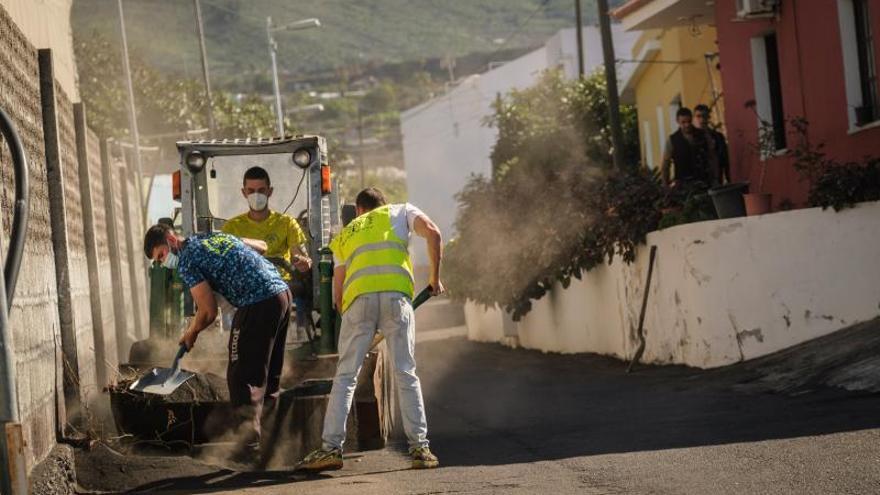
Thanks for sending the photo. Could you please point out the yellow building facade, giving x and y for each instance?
(675, 67)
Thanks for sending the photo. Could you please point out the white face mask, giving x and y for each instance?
(170, 261)
(257, 201)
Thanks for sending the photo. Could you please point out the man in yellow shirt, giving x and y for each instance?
(283, 236)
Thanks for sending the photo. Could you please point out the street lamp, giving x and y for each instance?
(273, 49)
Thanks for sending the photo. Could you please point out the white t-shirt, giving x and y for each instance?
(403, 217)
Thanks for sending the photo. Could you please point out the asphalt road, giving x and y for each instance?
(516, 421)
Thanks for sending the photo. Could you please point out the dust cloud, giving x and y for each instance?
(518, 232)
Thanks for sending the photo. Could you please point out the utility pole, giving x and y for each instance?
(201, 30)
(579, 33)
(361, 147)
(132, 115)
(273, 49)
(611, 84)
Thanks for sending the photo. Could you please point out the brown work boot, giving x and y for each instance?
(422, 458)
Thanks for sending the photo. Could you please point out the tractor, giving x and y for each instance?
(207, 185)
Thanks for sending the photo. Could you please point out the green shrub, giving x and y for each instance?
(842, 185)
(832, 183)
(553, 208)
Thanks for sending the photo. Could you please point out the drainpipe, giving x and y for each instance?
(13, 474)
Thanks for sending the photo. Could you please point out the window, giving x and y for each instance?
(768, 87)
(867, 112)
(777, 115)
(859, 61)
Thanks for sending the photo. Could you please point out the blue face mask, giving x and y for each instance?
(170, 261)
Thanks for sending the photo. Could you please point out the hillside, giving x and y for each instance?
(365, 33)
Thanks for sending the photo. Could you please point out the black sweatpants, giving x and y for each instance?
(256, 357)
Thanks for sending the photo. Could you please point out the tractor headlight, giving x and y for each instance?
(195, 161)
(302, 158)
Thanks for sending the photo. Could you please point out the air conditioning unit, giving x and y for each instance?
(756, 8)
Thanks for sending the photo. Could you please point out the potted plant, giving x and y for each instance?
(760, 202)
(728, 199)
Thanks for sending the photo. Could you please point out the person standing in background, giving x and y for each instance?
(692, 153)
(702, 120)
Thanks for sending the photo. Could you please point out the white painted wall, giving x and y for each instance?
(484, 324)
(445, 141)
(723, 291)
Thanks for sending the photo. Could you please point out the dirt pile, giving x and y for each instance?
(203, 387)
(104, 469)
(194, 413)
(55, 475)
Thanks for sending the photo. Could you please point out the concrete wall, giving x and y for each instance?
(46, 24)
(76, 269)
(103, 314)
(58, 312)
(445, 140)
(723, 291)
(126, 321)
(134, 229)
(34, 315)
(484, 324)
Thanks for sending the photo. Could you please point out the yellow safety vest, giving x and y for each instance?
(376, 259)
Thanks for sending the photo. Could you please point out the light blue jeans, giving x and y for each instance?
(392, 313)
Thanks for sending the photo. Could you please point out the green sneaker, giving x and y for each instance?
(422, 458)
(322, 460)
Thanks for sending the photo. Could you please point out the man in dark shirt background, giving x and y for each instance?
(702, 120)
(692, 151)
